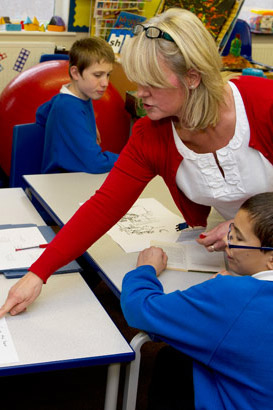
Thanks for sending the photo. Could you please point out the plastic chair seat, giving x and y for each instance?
(49, 57)
(27, 152)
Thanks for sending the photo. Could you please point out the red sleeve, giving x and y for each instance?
(120, 190)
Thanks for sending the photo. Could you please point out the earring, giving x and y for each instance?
(191, 87)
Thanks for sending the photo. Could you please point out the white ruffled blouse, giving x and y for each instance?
(246, 171)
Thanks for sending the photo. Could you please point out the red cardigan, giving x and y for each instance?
(150, 151)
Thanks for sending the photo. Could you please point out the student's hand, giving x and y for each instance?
(215, 239)
(222, 272)
(22, 294)
(155, 257)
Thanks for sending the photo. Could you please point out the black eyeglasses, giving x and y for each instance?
(230, 246)
(151, 32)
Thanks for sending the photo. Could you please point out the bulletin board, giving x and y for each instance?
(79, 15)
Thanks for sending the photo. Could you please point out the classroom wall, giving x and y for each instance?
(64, 39)
(35, 43)
(118, 78)
(262, 46)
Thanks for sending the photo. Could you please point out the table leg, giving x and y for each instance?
(132, 372)
(112, 385)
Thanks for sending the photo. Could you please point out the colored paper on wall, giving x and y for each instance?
(82, 13)
(21, 60)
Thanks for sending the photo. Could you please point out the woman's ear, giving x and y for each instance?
(193, 79)
(74, 72)
(269, 263)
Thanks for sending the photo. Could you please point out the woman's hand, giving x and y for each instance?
(22, 294)
(155, 257)
(215, 239)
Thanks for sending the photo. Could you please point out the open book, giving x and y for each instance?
(190, 256)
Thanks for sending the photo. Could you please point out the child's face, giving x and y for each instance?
(246, 261)
(93, 81)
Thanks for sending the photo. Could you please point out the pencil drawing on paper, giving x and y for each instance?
(147, 220)
(140, 221)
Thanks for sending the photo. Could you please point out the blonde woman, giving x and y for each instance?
(209, 138)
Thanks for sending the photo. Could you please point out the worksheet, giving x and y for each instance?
(20, 238)
(8, 352)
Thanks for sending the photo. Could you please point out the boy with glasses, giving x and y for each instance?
(223, 326)
(250, 237)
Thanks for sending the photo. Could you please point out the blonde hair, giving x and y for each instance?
(193, 48)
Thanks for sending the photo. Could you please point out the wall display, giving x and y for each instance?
(218, 16)
(107, 13)
(79, 15)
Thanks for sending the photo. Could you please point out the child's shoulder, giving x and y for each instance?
(65, 101)
(60, 103)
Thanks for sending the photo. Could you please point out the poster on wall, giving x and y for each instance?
(217, 16)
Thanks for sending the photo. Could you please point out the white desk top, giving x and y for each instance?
(62, 193)
(15, 208)
(66, 324)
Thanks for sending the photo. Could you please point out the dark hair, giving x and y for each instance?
(260, 211)
(88, 51)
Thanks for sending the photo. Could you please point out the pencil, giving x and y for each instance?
(44, 245)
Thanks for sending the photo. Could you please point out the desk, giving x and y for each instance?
(66, 327)
(60, 195)
(15, 208)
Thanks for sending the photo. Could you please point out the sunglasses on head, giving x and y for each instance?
(151, 32)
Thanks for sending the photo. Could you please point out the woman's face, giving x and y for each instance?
(163, 102)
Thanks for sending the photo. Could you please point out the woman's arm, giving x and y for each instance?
(94, 218)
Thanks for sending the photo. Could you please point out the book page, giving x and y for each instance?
(177, 258)
(191, 256)
(200, 260)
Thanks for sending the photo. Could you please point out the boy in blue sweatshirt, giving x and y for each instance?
(223, 326)
(71, 136)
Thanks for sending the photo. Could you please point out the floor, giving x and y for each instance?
(82, 388)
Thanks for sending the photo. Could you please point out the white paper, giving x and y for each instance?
(190, 234)
(191, 256)
(8, 352)
(11, 239)
(147, 220)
